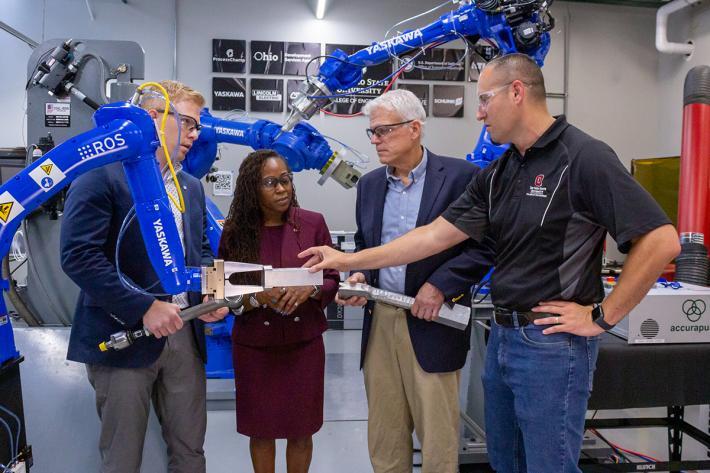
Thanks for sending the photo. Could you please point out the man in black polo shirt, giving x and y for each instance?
(548, 203)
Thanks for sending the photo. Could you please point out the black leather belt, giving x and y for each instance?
(507, 317)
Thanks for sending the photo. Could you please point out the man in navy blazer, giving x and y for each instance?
(411, 364)
(169, 367)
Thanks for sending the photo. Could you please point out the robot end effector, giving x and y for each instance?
(219, 282)
(512, 25)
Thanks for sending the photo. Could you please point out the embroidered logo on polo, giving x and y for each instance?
(537, 189)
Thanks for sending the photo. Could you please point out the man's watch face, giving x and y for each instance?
(597, 312)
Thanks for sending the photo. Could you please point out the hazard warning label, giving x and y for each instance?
(47, 175)
(9, 208)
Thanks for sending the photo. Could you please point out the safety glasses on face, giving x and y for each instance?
(384, 130)
(188, 123)
(271, 182)
(484, 98)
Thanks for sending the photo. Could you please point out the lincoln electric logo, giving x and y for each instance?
(163, 243)
(693, 310)
(102, 147)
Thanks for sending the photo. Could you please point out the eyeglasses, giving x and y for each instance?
(271, 182)
(187, 123)
(384, 130)
(485, 97)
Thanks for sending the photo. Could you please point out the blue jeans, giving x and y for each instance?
(536, 391)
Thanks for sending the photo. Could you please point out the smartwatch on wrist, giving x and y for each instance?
(598, 318)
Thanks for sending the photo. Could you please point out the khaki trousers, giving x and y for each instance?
(176, 385)
(402, 397)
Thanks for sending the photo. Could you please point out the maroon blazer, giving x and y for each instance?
(267, 328)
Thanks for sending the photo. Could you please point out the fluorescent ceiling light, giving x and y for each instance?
(320, 9)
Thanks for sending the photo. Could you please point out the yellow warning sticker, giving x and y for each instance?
(47, 175)
(9, 208)
(5, 209)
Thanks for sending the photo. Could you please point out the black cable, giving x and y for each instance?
(34, 69)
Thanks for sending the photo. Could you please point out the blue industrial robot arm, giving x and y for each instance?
(303, 147)
(514, 26)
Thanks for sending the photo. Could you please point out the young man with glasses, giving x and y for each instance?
(167, 369)
(412, 365)
(548, 203)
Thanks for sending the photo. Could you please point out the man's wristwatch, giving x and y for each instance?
(598, 318)
(316, 291)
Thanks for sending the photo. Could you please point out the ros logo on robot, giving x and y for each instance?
(99, 148)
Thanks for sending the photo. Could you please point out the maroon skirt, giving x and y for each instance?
(279, 389)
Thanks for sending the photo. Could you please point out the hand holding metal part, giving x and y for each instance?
(456, 316)
(218, 283)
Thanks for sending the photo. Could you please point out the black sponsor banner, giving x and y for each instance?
(267, 57)
(420, 90)
(435, 64)
(448, 101)
(482, 54)
(292, 86)
(229, 55)
(297, 56)
(266, 95)
(229, 94)
(353, 103)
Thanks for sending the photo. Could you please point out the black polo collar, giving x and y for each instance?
(552, 133)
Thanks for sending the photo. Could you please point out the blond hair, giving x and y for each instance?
(177, 91)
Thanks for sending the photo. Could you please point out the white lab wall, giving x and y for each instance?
(689, 24)
(619, 89)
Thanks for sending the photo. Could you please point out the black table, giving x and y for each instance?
(636, 376)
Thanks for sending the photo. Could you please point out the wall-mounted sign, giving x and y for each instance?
(292, 86)
(298, 55)
(448, 101)
(278, 57)
(229, 55)
(420, 90)
(266, 95)
(267, 57)
(372, 75)
(229, 94)
(435, 64)
(482, 53)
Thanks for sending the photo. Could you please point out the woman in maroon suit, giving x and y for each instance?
(279, 357)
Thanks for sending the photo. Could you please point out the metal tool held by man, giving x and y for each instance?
(126, 338)
(456, 316)
(217, 283)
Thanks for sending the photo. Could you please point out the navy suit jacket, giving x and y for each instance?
(438, 348)
(96, 205)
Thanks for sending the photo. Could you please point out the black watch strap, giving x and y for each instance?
(598, 317)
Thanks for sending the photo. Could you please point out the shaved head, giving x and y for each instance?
(520, 67)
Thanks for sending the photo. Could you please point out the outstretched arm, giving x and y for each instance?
(418, 244)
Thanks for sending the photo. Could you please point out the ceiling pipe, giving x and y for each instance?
(662, 43)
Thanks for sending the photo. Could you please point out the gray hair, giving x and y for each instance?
(401, 101)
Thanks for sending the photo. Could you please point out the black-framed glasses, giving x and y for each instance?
(384, 130)
(188, 123)
(271, 182)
